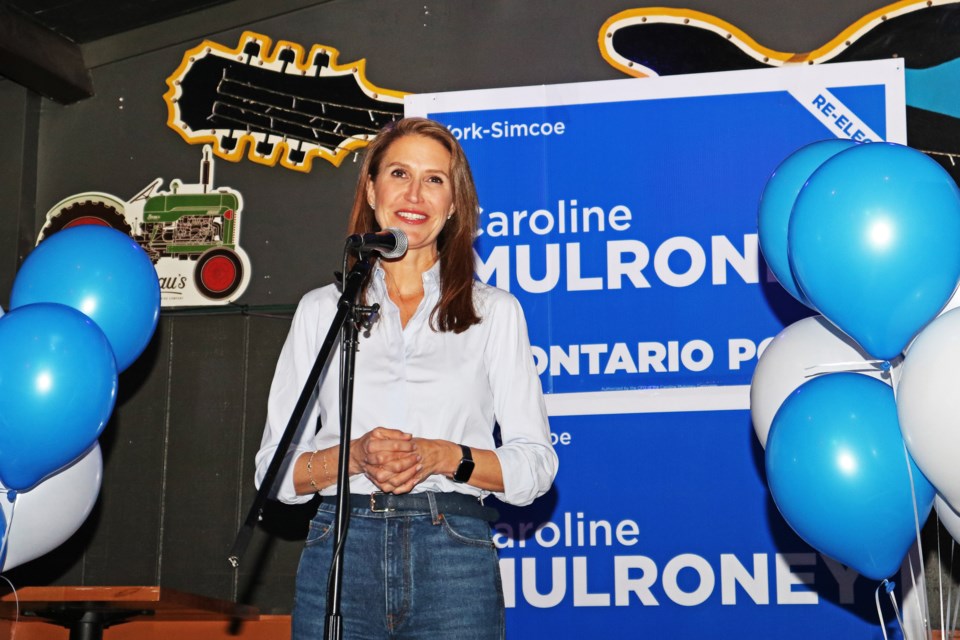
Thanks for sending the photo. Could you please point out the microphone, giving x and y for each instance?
(390, 243)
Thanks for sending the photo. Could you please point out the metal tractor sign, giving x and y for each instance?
(191, 233)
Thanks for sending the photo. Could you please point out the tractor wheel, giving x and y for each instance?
(218, 273)
(86, 212)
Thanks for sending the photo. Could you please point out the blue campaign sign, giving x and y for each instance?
(623, 215)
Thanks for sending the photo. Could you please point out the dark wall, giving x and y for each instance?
(19, 129)
(293, 223)
(179, 449)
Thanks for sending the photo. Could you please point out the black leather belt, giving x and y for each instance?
(450, 503)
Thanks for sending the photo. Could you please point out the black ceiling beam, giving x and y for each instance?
(41, 60)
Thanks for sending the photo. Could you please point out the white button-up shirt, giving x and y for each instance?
(439, 385)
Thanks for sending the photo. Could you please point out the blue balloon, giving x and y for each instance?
(776, 204)
(873, 241)
(837, 471)
(101, 272)
(58, 385)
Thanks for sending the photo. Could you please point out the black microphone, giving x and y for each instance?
(390, 243)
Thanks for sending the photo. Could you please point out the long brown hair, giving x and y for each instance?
(455, 310)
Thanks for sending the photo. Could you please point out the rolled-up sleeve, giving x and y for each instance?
(528, 460)
(293, 367)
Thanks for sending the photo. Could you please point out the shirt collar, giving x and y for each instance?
(431, 277)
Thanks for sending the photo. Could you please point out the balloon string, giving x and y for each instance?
(858, 365)
(923, 604)
(943, 625)
(951, 619)
(876, 597)
(11, 495)
(922, 601)
(889, 586)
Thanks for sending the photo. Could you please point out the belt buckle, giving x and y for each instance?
(373, 503)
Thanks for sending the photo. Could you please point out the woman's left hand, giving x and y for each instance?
(388, 457)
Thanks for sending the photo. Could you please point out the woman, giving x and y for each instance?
(446, 360)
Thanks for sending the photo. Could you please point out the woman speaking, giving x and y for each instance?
(447, 409)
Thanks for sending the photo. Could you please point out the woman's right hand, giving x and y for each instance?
(388, 457)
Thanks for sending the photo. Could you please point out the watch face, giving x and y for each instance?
(464, 470)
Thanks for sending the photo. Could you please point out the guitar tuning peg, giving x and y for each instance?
(252, 50)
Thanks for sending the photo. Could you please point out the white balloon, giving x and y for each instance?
(45, 517)
(802, 350)
(928, 403)
(948, 516)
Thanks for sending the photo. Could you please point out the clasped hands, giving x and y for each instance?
(394, 460)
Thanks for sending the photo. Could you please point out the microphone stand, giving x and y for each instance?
(333, 629)
(347, 309)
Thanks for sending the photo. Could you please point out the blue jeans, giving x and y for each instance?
(406, 575)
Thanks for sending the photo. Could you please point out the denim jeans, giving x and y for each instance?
(406, 575)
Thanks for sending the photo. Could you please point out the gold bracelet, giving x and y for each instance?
(310, 472)
(326, 474)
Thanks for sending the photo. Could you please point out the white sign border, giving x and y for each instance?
(889, 72)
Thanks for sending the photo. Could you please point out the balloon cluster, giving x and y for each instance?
(856, 407)
(84, 306)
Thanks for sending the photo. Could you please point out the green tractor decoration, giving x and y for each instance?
(191, 234)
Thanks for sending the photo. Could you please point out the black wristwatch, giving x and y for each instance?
(465, 469)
